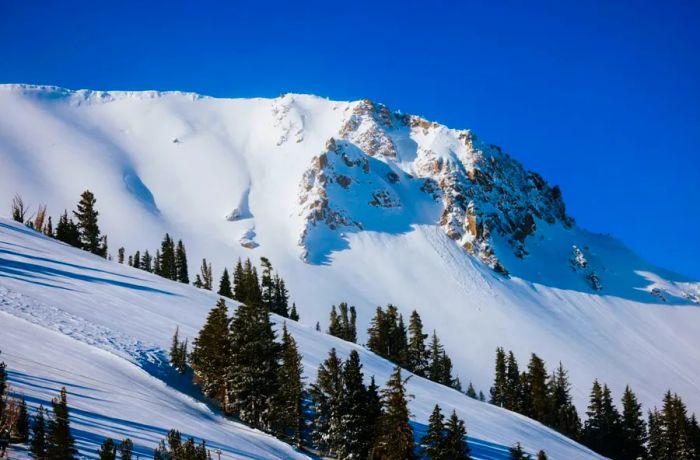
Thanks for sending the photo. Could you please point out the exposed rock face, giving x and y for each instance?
(483, 192)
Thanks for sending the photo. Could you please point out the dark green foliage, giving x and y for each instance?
(48, 228)
(38, 445)
(253, 366)
(517, 453)
(19, 209)
(120, 255)
(601, 431)
(672, 435)
(356, 421)
(342, 324)
(108, 450)
(181, 269)
(417, 354)
(634, 429)
(395, 438)
(514, 397)
(178, 353)
(439, 364)
(146, 262)
(225, 285)
(89, 230)
(433, 443)
(60, 442)
(562, 415)
(541, 455)
(165, 260)
(67, 231)
(172, 448)
(22, 424)
(207, 280)
(293, 314)
(288, 417)
(210, 353)
(471, 392)
(498, 390)
(387, 335)
(455, 445)
(535, 402)
(273, 292)
(126, 449)
(327, 394)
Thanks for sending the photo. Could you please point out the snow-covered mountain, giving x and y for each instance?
(353, 202)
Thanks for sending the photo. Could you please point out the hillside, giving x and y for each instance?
(353, 202)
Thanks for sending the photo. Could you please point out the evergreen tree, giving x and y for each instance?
(334, 327)
(22, 423)
(147, 262)
(86, 214)
(417, 355)
(198, 283)
(239, 282)
(38, 445)
(108, 450)
(267, 286)
(136, 260)
(513, 388)
(517, 453)
(210, 352)
(433, 443)
(293, 315)
(374, 412)
(456, 447)
(562, 414)
(167, 266)
(206, 275)
(395, 438)
(327, 394)
(601, 430)
(439, 364)
(633, 427)
(536, 400)
(120, 255)
(60, 445)
(48, 228)
(354, 423)
(19, 209)
(67, 231)
(541, 455)
(225, 286)
(318, 327)
(498, 391)
(471, 392)
(182, 272)
(289, 419)
(482, 397)
(126, 449)
(280, 301)
(253, 368)
(178, 353)
(671, 432)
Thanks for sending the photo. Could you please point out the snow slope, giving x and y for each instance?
(352, 202)
(101, 329)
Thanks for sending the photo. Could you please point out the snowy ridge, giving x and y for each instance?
(72, 327)
(383, 207)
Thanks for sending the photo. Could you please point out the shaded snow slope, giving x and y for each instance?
(352, 202)
(101, 329)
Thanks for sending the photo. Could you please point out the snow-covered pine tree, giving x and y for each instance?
(395, 438)
(455, 446)
(225, 285)
(288, 416)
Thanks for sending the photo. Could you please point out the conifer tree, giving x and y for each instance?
(198, 283)
(147, 262)
(517, 453)
(293, 314)
(225, 286)
(327, 394)
(334, 327)
(601, 430)
(417, 355)
(633, 427)
(535, 390)
(253, 366)
(395, 438)
(354, 422)
(267, 286)
(513, 388)
(108, 450)
(22, 423)
(120, 255)
(439, 365)
(60, 442)
(374, 412)
(433, 443)
(182, 271)
(317, 328)
(456, 447)
(136, 260)
(280, 302)
(167, 267)
(289, 419)
(38, 445)
(126, 449)
(19, 209)
(562, 414)
(498, 391)
(86, 214)
(471, 392)
(210, 352)
(48, 228)
(67, 231)
(541, 455)
(238, 281)
(206, 275)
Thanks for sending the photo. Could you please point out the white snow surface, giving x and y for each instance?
(220, 173)
(102, 329)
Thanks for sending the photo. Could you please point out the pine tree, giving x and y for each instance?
(633, 427)
(601, 430)
(334, 327)
(60, 445)
(327, 394)
(182, 271)
(108, 450)
(293, 315)
(147, 262)
(498, 391)
(126, 449)
(136, 260)
(67, 231)
(317, 328)
(395, 439)
(239, 282)
(417, 355)
(433, 443)
(225, 286)
(456, 447)
(562, 414)
(513, 386)
(253, 366)
(536, 399)
(378, 334)
(517, 453)
(210, 351)
(48, 228)
(206, 276)
(86, 214)
(439, 364)
(198, 283)
(167, 266)
(266, 284)
(120, 255)
(289, 419)
(471, 392)
(374, 412)
(541, 455)
(22, 423)
(354, 422)
(280, 302)
(38, 445)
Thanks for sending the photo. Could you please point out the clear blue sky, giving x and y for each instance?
(602, 98)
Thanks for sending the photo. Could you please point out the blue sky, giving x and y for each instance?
(602, 98)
